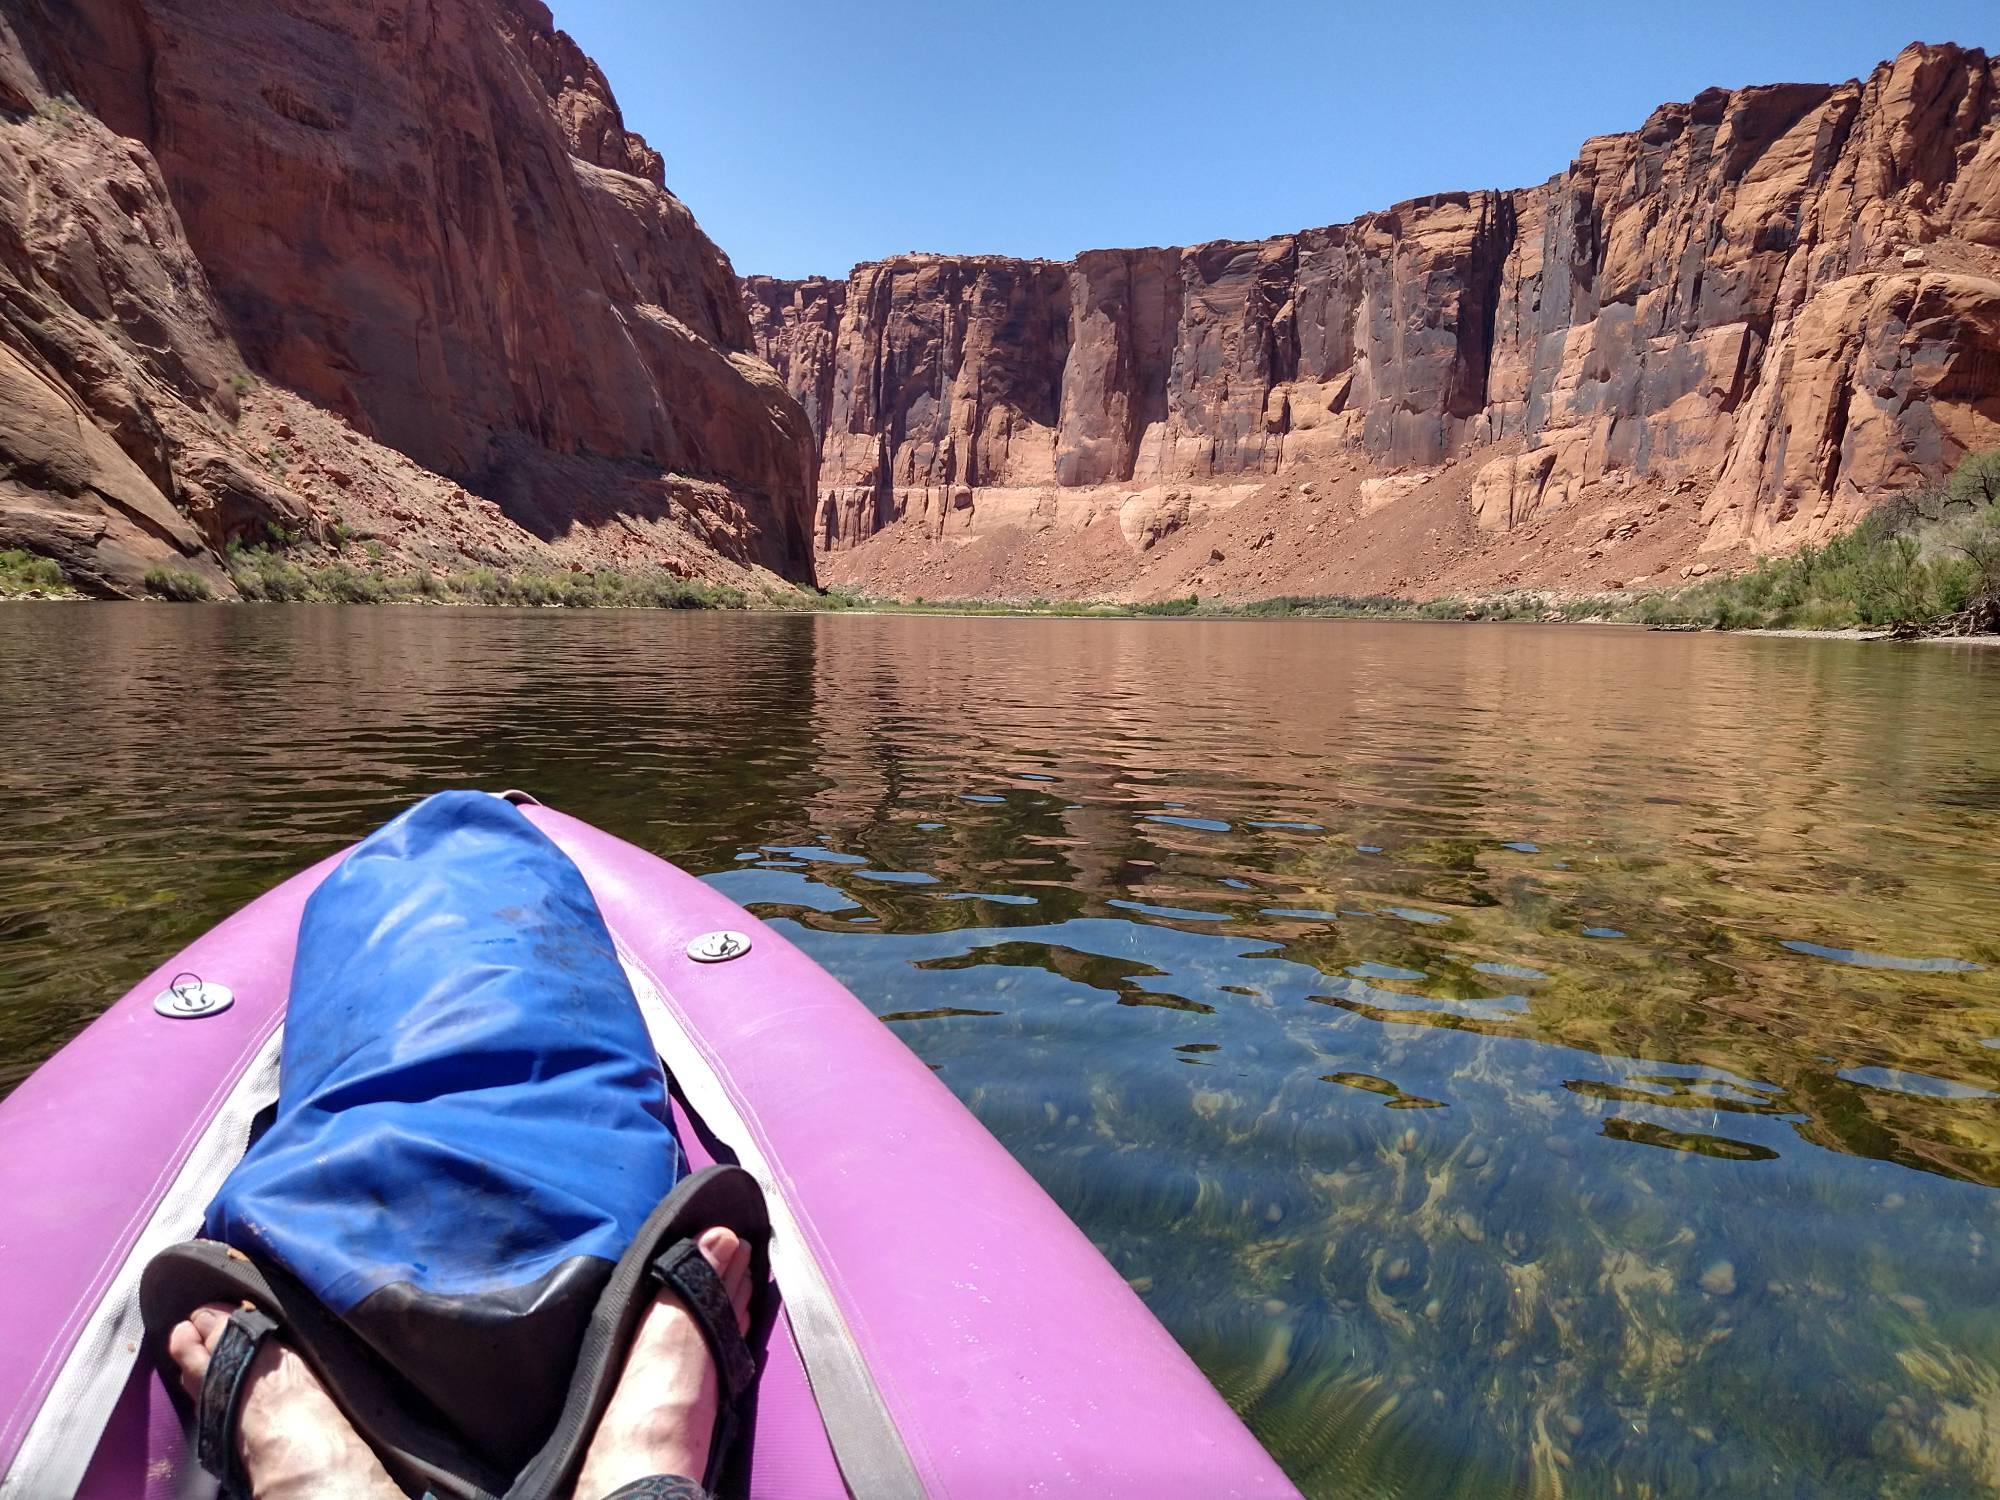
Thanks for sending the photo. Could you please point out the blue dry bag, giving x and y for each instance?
(472, 1121)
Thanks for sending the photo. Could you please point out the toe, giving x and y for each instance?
(718, 1244)
(730, 1256)
(190, 1343)
(736, 1280)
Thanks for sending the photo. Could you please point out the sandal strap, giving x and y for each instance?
(660, 1487)
(222, 1396)
(686, 1270)
(683, 1267)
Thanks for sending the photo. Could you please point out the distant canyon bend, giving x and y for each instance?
(1730, 331)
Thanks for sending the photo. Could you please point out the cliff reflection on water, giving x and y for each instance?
(1553, 1061)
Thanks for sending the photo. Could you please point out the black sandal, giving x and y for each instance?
(183, 1277)
(664, 1254)
(222, 1396)
(660, 1487)
(419, 1454)
(686, 1271)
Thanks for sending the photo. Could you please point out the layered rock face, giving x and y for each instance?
(1781, 301)
(425, 218)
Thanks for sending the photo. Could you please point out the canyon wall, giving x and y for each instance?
(1782, 302)
(424, 219)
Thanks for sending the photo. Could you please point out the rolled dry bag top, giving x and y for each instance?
(472, 1121)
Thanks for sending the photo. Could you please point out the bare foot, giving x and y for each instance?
(662, 1414)
(293, 1441)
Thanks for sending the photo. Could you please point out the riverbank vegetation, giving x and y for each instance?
(1523, 605)
(266, 575)
(283, 576)
(1925, 563)
(26, 576)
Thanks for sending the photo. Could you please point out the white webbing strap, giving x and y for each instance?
(57, 1448)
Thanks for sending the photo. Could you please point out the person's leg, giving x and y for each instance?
(295, 1443)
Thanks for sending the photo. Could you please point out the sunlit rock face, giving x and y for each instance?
(1782, 300)
(429, 222)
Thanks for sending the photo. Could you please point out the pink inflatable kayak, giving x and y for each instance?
(946, 1329)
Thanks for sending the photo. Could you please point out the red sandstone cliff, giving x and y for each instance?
(268, 261)
(1754, 316)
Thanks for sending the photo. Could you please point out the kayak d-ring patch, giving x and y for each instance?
(719, 947)
(188, 996)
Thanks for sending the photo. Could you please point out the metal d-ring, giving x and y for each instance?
(718, 947)
(189, 996)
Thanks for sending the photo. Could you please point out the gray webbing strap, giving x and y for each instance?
(868, 1447)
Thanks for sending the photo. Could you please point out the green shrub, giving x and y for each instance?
(1973, 543)
(593, 590)
(1334, 606)
(24, 572)
(1440, 609)
(1975, 483)
(345, 585)
(260, 573)
(178, 585)
(58, 112)
(479, 586)
(1926, 560)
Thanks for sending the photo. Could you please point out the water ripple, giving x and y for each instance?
(1705, 1209)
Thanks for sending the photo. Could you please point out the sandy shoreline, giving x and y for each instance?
(1865, 635)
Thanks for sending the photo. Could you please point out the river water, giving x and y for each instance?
(1522, 1060)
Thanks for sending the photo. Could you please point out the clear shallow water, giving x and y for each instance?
(1512, 1060)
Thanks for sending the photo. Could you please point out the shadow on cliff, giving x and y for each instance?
(552, 495)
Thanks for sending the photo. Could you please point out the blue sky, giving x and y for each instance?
(807, 136)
